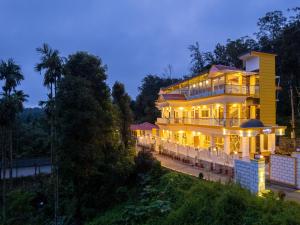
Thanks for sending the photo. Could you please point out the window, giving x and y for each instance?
(204, 113)
(206, 140)
(197, 114)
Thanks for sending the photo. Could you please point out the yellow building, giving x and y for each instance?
(227, 110)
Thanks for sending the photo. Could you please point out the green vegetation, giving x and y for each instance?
(177, 199)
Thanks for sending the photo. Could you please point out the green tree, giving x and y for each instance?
(11, 103)
(51, 65)
(92, 162)
(198, 60)
(145, 109)
(122, 102)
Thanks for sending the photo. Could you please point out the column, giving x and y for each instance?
(212, 141)
(261, 143)
(253, 145)
(227, 144)
(297, 156)
(226, 115)
(271, 143)
(245, 146)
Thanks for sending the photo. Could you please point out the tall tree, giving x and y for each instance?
(11, 103)
(122, 102)
(145, 109)
(270, 28)
(197, 59)
(51, 65)
(92, 163)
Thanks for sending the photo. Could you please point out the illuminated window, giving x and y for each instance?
(204, 113)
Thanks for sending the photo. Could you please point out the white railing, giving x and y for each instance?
(203, 121)
(162, 120)
(218, 157)
(145, 141)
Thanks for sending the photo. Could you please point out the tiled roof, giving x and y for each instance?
(143, 126)
(173, 97)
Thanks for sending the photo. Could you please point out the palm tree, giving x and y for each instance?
(51, 64)
(11, 103)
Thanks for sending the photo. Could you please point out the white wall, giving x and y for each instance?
(252, 64)
(283, 169)
(250, 174)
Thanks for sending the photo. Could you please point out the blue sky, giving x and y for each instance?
(133, 37)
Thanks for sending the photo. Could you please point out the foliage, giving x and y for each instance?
(31, 136)
(145, 109)
(145, 161)
(124, 116)
(92, 162)
(180, 199)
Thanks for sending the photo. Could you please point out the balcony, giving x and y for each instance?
(234, 122)
(198, 92)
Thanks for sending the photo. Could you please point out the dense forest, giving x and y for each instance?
(96, 175)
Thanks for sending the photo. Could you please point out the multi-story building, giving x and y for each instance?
(224, 109)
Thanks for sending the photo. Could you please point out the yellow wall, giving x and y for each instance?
(267, 88)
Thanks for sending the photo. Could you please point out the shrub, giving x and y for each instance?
(145, 162)
(200, 176)
(281, 195)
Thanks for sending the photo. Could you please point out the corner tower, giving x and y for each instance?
(264, 64)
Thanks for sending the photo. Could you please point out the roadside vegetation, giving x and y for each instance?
(171, 198)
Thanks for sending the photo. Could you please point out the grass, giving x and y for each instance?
(175, 199)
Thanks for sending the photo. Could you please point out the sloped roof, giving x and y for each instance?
(223, 67)
(143, 126)
(173, 97)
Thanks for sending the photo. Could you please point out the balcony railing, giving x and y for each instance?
(203, 121)
(249, 90)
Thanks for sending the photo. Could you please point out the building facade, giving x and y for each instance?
(224, 109)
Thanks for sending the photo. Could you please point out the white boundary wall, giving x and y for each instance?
(283, 169)
(250, 174)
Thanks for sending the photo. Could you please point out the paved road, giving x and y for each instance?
(291, 194)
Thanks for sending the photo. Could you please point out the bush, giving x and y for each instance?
(200, 176)
(145, 162)
(281, 195)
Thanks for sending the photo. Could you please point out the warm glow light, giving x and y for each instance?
(181, 108)
(217, 105)
(206, 81)
(234, 105)
(194, 85)
(249, 133)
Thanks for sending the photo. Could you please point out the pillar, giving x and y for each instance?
(226, 115)
(253, 145)
(297, 156)
(271, 143)
(227, 144)
(212, 141)
(261, 143)
(245, 146)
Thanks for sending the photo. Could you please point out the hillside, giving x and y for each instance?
(175, 199)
